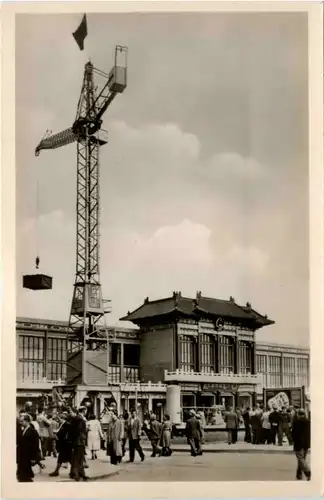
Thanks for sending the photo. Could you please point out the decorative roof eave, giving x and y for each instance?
(142, 319)
(258, 322)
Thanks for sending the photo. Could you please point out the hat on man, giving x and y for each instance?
(192, 412)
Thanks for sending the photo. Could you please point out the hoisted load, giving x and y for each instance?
(37, 281)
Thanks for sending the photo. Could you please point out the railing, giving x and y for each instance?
(191, 376)
(38, 381)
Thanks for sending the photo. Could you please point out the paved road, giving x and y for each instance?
(209, 467)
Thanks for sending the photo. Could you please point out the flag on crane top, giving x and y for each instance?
(81, 33)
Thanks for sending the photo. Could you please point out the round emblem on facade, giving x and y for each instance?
(220, 324)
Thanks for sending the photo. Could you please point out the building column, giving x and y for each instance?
(150, 402)
(295, 372)
(198, 364)
(253, 358)
(218, 353)
(237, 356)
(267, 366)
(122, 375)
(45, 354)
(281, 370)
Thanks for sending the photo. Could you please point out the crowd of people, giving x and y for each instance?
(270, 426)
(70, 434)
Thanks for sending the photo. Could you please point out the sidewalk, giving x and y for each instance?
(101, 468)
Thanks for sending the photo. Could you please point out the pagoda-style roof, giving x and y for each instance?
(199, 307)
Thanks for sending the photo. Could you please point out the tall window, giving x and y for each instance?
(131, 362)
(289, 372)
(226, 361)
(31, 358)
(187, 353)
(207, 353)
(274, 371)
(302, 372)
(56, 358)
(245, 351)
(114, 362)
(261, 367)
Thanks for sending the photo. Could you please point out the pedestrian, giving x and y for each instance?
(27, 450)
(165, 440)
(79, 441)
(114, 439)
(247, 428)
(64, 443)
(235, 432)
(231, 422)
(95, 435)
(266, 428)
(155, 435)
(301, 440)
(52, 431)
(275, 421)
(40, 457)
(284, 428)
(44, 431)
(125, 429)
(134, 436)
(194, 434)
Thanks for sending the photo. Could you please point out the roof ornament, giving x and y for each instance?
(248, 305)
(232, 299)
(198, 295)
(146, 301)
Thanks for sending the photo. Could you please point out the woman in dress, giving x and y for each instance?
(165, 441)
(95, 435)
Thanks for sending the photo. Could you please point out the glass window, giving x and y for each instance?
(261, 367)
(207, 353)
(289, 372)
(57, 356)
(302, 372)
(114, 354)
(131, 354)
(274, 371)
(31, 357)
(188, 356)
(245, 353)
(226, 361)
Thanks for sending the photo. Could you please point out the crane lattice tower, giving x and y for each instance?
(89, 337)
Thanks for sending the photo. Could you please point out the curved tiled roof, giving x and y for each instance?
(195, 308)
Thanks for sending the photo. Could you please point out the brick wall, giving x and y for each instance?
(157, 354)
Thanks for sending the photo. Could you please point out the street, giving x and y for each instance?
(210, 467)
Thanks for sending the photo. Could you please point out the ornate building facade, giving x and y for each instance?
(182, 353)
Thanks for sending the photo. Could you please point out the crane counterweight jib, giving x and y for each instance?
(57, 140)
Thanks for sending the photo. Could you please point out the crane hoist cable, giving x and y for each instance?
(37, 260)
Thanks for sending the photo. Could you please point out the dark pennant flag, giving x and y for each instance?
(80, 34)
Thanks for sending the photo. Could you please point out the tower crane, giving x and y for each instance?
(89, 332)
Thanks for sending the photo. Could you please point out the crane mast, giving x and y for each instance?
(89, 332)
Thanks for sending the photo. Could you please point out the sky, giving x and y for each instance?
(204, 181)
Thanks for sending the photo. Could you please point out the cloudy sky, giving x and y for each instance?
(204, 182)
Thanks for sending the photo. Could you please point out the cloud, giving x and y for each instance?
(204, 178)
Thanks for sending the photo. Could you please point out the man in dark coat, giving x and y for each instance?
(79, 440)
(247, 427)
(134, 436)
(194, 434)
(64, 444)
(275, 421)
(154, 434)
(231, 421)
(301, 440)
(27, 450)
(284, 428)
